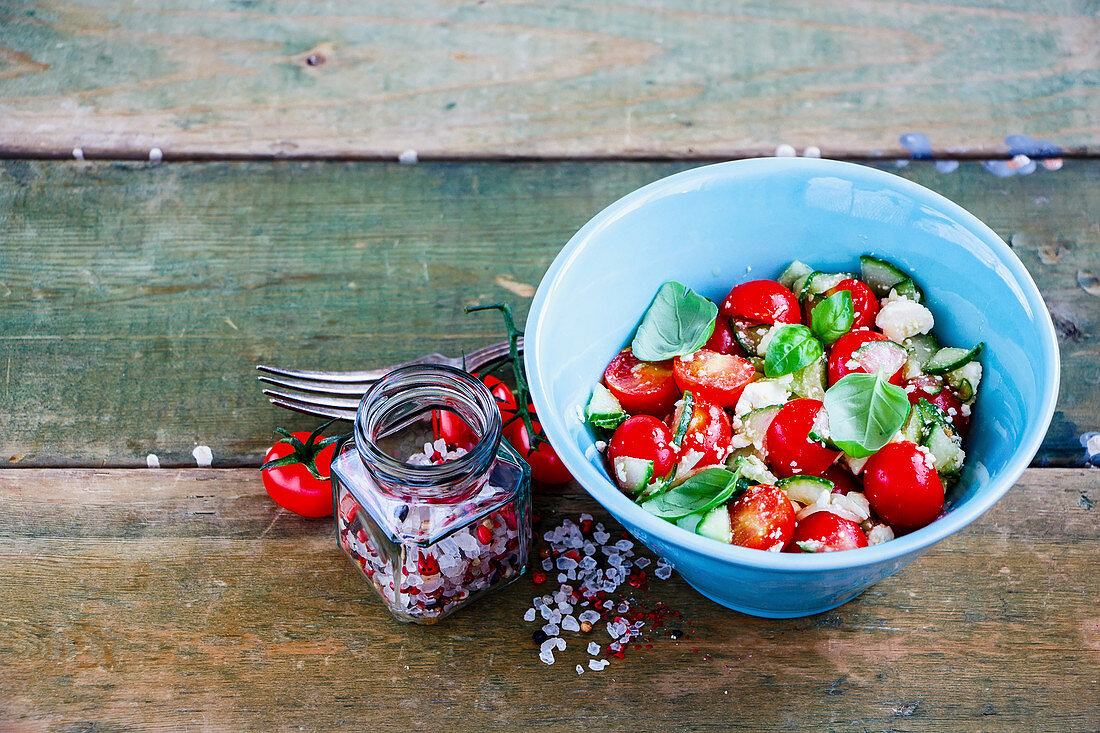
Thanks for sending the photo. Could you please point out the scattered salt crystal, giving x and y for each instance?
(615, 646)
(784, 151)
(562, 577)
(593, 648)
(565, 607)
(589, 616)
(78, 153)
(547, 564)
(586, 517)
(156, 155)
(641, 562)
(566, 563)
(560, 643)
(569, 623)
(555, 616)
(546, 612)
(530, 615)
(551, 629)
(623, 608)
(664, 572)
(580, 669)
(203, 456)
(624, 545)
(549, 644)
(601, 537)
(152, 461)
(595, 665)
(410, 157)
(547, 656)
(613, 630)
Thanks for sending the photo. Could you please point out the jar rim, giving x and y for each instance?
(423, 382)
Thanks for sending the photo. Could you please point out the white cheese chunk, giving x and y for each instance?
(763, 393)
(902, 318)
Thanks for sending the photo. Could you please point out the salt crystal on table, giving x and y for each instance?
(547, 656)
(549, 645)
(596, 665)
(601, 537)
(530, 615)
(593, 648)
(664, 572)
(624, 545)
(613, 630)
(152, 461)
(569, 623)
(566, 563)
(548, 564)
(586, 518)
(589, 548)
(562, 577)
(551, 629)
(203, 456)
(546, 612)
(589, 616)
(560, 643)
(565, 607)
(642, 562)
(623, 608)
(555, 616)
(615, 646)
(580, 669)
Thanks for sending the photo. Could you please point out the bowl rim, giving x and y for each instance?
(612, 499)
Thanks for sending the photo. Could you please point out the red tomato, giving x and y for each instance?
(713, 377)
(293, 487)
(826, 532)
(864, 302)
(902, 486)
(645, 437)
(843, 482)
(642, 387)
(456, 432)
(545, 464)
(708, 437)
(761, 301)
(722, 339)
(932, 388)
(787, 445)
(842, 351)
(762, 519)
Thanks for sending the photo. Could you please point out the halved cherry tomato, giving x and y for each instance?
(826, 532)
(864, 302)
(933, 389)
(762, 519)
(788, 446)
(647, 438)
(843, 482)
(545, 464)
(841, 354)
(902, 485)
(642, 387)
(708, 437)
(722, 339)
(293, 487)
(454, 430)
(761, 301)
(713, 377)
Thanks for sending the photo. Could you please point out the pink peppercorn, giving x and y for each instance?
(484, 534)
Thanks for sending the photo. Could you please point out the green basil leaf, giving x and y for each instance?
(700, 493)
(832, 318)
(865, 411)
(679, 322)
(791, 348)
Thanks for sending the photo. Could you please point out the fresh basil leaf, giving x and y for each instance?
(832, 318)
(791, 348)
(679, 322)
(702, 492)
(865, 411)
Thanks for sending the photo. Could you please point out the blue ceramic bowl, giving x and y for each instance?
(713, 227)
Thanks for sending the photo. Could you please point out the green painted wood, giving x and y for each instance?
(675, 78)
(136, 300)
(185, 597)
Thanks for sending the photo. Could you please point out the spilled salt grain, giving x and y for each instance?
(547, 656)
(203, 456)
(156, 155)
(530, 615)
(596, 665)
(593, 648)
(152, 461)
(569, 623)
(580, 669)
(408, 157)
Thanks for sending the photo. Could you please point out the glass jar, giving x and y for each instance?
(431, 528)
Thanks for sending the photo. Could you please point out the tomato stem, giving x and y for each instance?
(305, 453)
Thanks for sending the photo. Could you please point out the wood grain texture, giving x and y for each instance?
(185, 599)
(664, 78)
(135, 300)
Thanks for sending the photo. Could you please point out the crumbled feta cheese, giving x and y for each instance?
(880, 533)
(739, 441)
(763, 393)
(762, 347)
(902, 318)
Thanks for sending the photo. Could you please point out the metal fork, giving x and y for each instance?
(337, 394)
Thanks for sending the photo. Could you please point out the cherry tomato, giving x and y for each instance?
(293, 487)
(762, 519)
(722, 339)
(902, 486)
(713, 377)
(645, 437)
(761, 301)
(826, 532)
(933, 389)
(843, 482)
(545, 464)
(454, 430)
(788, 446)
(642, 387)
(708, 437)
(864, 302)
(841, 354)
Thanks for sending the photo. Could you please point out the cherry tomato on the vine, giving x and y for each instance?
(826, 532)
(293, 487)
(788, 446)
(647, 438)
(864, 302)
(642, 387)
(762, 519)
(545, 464)
(454, 430)
(902, 486)
(716, 378)
(761, 301)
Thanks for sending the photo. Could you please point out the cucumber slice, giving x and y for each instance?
(819, 431)
(657, 486)
(715, 524)
(753, 469)
(950, 359)
(806, 490)
(755, 424)
(879, 275)
(913, 429)
(604, 411)
(932, 416)
(820, 282)
(965, 380)
(885, 355)
(922, 347)
(810, 381)
(855, 465)
(965, 390)
(748, 336)
(690, 522)
(632, 474)
(946, 448)
(908, 289)
(795, 271)
(684, 413)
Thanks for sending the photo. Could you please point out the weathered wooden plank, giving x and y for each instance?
(135, 300)
(186, 598)
(673, 78)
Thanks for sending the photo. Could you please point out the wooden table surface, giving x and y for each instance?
(136, 297)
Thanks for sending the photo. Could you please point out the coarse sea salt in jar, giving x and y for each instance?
(432, 527)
